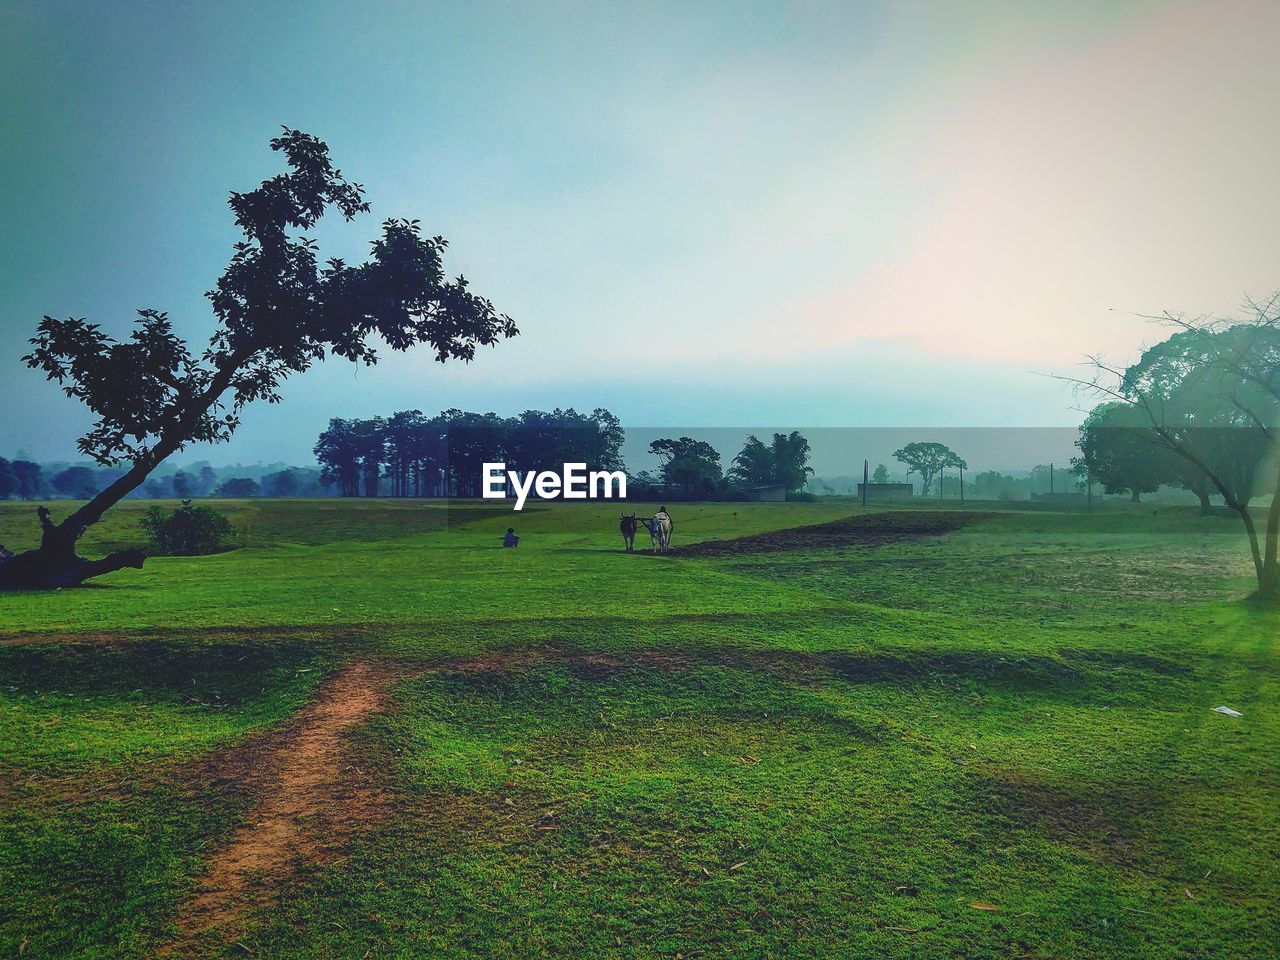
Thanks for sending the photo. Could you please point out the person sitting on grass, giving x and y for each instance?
(511, 540)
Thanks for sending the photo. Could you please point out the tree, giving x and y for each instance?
(689, 467)
(472, 439)
(8, 479)
(278, 311)
(784, 461)
(208, 480)
(1210, 395)
(881, 474)
(1120, 451)
(238, 488)
(791, 459)
(369, 438)
(182, 486)
(339, 457)
(928, 460)
(29, 477)
(75, 482)
(281, 484)
(993, 483)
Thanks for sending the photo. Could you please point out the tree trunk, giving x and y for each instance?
(1205, 505)
(55, 562)
(1135, 496)
(1269, 573)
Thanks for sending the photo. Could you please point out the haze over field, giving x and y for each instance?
(824, 215)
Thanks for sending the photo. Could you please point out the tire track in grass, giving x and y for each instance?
(312, 798)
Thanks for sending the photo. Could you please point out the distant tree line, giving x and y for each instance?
(691, 469)
(409, 454)
(24, 479)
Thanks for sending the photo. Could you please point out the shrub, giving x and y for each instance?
(189, 531)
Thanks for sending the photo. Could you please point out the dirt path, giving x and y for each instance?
(312, 796)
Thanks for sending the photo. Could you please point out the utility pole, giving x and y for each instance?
(962, 484)
(1051, 478)
(865, 467)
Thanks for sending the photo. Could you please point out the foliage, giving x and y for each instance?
(283, 483)
(881, 474)
(188, 531)
(928, 459)
(8, 479)
(30, 478)
(278, 312)
(238, 487)
(78, 483)
(442, 455)
(1119, 450)
(689, 468)
(784, 461)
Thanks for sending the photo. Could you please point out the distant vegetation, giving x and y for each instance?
(411, 455)
(420, 456)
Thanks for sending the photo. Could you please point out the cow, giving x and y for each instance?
(628, 524)
(659, 530)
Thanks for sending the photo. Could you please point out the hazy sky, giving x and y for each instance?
(822, 214)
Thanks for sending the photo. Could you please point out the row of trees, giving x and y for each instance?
(691, 469)
(1121, 451)
(412, 455)
(28, 480)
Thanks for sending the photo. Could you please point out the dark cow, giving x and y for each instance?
(628, 526)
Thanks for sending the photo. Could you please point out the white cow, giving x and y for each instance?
(660, 531)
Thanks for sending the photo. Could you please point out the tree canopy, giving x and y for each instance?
(928, 459)
(785, 461)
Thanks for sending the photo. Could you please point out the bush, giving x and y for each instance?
(188, 531)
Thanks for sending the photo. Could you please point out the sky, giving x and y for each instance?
(700, 215)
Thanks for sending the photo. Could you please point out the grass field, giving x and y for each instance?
(371, 732)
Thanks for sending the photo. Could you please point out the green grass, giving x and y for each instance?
(825, 753)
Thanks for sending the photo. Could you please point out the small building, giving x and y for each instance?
(885, 491)
(767, 493)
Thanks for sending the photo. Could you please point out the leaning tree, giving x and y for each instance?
(278, 311)
(1210, 395)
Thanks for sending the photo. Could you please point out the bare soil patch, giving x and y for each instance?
(866, 530)
(311, 797)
